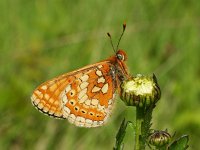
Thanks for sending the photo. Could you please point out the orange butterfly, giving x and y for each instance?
(85, 96)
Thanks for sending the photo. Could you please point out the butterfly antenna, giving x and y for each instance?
(124, 27)
(109, 35)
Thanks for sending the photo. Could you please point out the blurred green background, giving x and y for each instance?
(42, 39)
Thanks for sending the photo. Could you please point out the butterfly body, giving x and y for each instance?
(86, 96)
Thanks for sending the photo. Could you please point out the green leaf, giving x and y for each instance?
(119, 145)
(180, 144)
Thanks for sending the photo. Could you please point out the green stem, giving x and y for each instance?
(139, 141)
(143, 124)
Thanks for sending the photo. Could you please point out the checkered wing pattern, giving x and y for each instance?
(85, 97)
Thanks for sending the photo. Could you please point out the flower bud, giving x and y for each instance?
(140, 91)
(159, 138)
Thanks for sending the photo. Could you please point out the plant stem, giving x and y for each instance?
(143, 125)
(139, 141)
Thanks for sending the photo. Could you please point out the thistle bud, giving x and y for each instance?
(140, 91)
(159, 138)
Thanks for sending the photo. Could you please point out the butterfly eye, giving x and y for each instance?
(120, 56)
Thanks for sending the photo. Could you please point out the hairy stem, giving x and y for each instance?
(143, 125)
(139, 141)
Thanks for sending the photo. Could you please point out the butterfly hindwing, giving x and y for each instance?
(85, 97)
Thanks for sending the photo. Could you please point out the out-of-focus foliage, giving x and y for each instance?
(42, 39)
(180, 144)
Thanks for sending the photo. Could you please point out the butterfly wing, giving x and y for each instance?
(85, 97)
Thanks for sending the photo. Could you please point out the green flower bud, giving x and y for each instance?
(159, 138)
(140, 91)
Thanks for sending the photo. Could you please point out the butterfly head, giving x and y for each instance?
(121, 55)
(120, 58)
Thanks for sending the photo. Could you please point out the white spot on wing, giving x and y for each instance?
(33, 97)
(101, 80)
(100, 122)
(99, 73)
(84, 77)
(82, 93)
(64, 99)
(101, 108)
(88, 102)
(68, 88)
(35, 100)
(44, 87)
(50, 112)
(88, 123)
(96, 89)
(67, 110)
(82, 119)
(105, 88)
(40, 105)
(84, 85)
(100, 66)
(95, 124)
(82, 100)
(110, 101)
(71, 118)
(94, 102)
(78, 121)
(45, 109)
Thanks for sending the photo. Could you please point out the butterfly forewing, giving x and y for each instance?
(85, 97)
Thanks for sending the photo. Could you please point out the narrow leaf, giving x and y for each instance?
(120, 135)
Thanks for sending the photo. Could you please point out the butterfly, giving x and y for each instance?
(85, 96)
